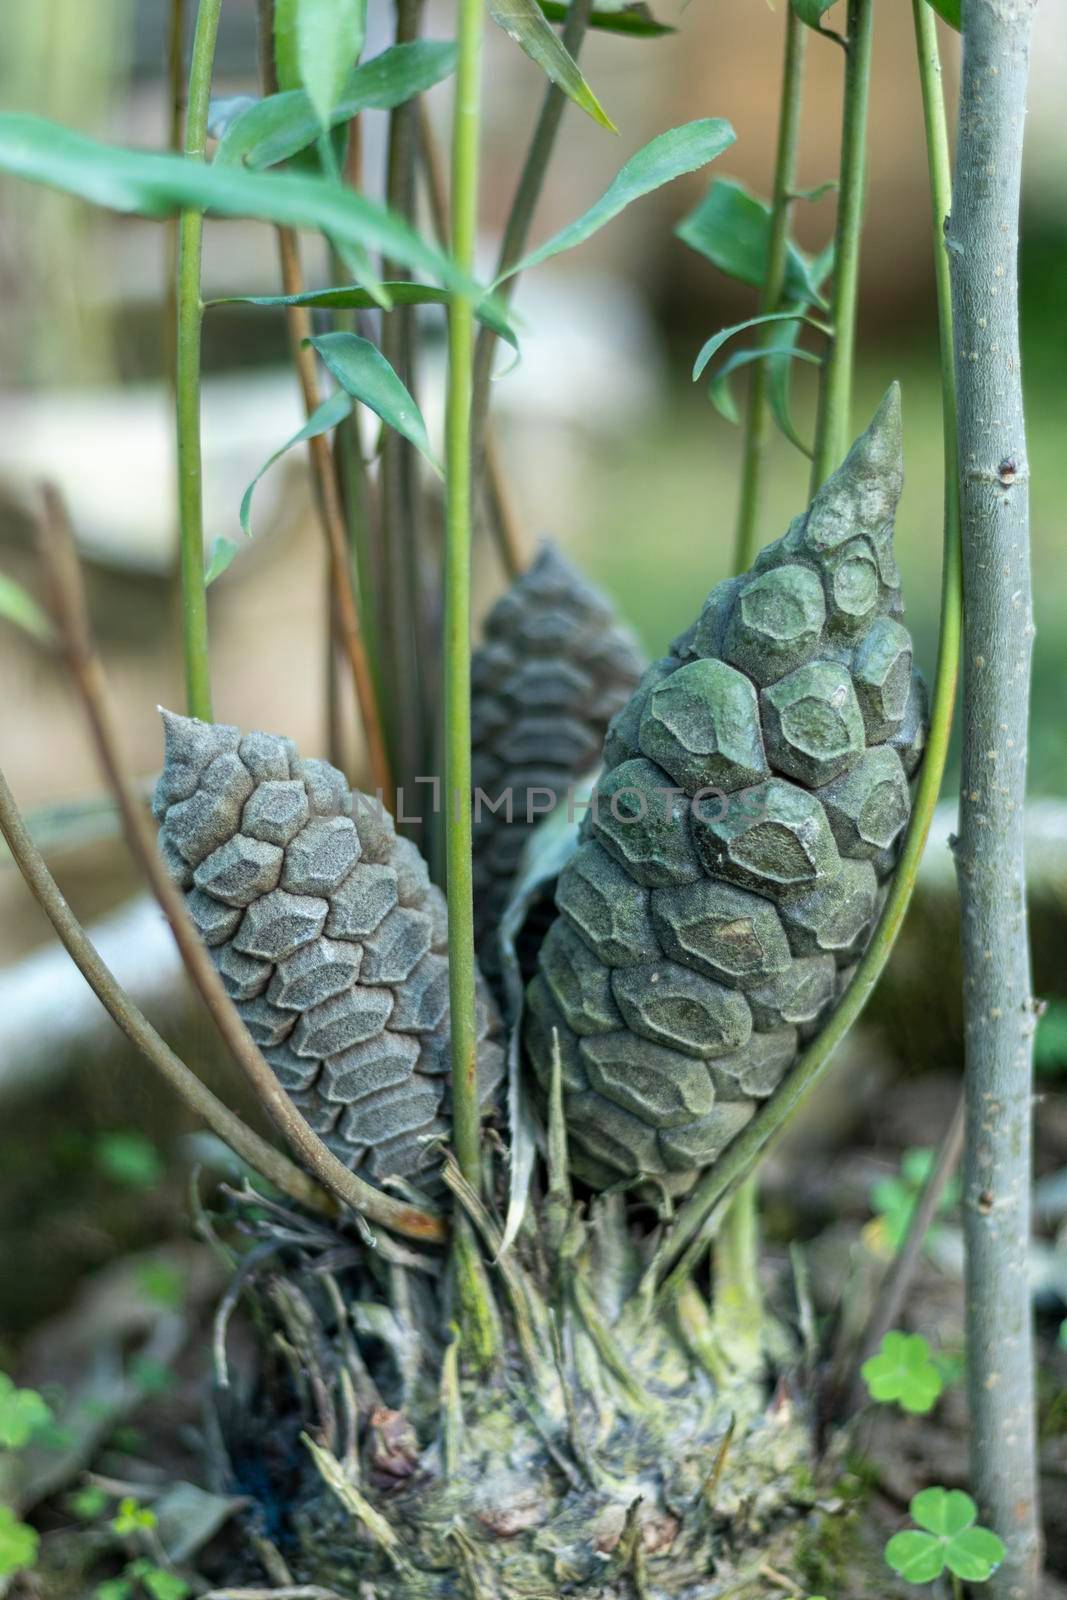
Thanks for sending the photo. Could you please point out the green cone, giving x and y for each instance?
(553, 669)
(328, 936)
(742, 841)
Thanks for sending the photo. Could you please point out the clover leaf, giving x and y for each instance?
(22, 1414)
(132, 1517)
(18, 1543)
(903, 1370)
(947, 1535)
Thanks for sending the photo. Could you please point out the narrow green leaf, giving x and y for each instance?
(817, 191)
(719, 391)
(635, 20)
(154, 184)
(222, 553)
(732, 229)
(717, 340)
(949, 11)
(666, 157)
(329, 38)
(276, 128)
(286, 54)
(326, 416)
(22, 609)
(812, 12)
(526, 23)
(778, 382)
(351, 297)
(364, 373)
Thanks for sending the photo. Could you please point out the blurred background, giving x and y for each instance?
(610, 448)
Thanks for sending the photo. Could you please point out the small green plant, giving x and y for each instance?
(23, 1413)
(132, 1518)
(87, 1503)
(130, 1159)
(894, 1200)
(145, 1577)
(1050, 1042)
(947, 1537)
(18, 1544)
(904, 1371)
(162, 1283)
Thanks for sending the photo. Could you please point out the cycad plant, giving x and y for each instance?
(492, 1358)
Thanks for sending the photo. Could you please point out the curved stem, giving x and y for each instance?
(259, 1155)
(758, 420)
(187, 379)
(697, 1218)
(998, 1004)
(88, 676)
(832, 429)
(461, 965)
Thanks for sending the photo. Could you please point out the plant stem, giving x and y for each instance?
(400, 597)
(999, 1011)
(690, 1235)
(501, 507)
(187, 379)
(461, 966)
(520, 216)
(58, 552)
(737, 1314)
(344, 616)
(833, 428)
(259, 1155)
(758, 420)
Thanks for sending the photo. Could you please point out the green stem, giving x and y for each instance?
(190, 318)
(758, 420)
(520, 216)
(465, 129)
(738, 1307)
(692, 1229)
(833, 429)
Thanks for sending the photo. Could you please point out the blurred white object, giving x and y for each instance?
(112, 453)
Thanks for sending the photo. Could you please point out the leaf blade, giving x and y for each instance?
(670, 155)
(526, 23)
(333, 410)
(329, 38)
(364, 373)
(19, 607)
(276, 128)
(354, 297)
(156, 184)
(717, 340)
(634, 20)
(731, 228)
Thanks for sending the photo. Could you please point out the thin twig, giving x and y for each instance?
(511, 541)
(324, 474)
(520, 216)
(833, 430)
(757, 419)
(61, 561)
(246, 1144)
(190, 317)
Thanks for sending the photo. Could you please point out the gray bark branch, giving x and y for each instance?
(982, 239)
